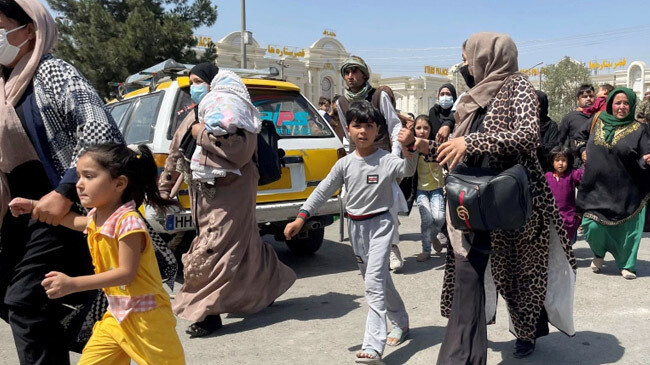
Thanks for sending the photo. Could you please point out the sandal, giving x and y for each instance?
(398, 334)
(207, 326)
(627, 274)
(374, 358)
(597, 264)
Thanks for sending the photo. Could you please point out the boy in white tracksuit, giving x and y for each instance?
(368, 175)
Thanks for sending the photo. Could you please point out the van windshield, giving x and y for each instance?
(291, 113)
(136, 117)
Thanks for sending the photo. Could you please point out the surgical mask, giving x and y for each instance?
(8, 51)
(197, 92)
(469, 79)
(445, 101)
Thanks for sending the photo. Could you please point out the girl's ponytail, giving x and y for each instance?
(145, 179)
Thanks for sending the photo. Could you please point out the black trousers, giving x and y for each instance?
(31, 249)
(465, 340)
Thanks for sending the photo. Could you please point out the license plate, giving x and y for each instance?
(178, 221)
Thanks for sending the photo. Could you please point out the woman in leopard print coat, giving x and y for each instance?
(533, 268)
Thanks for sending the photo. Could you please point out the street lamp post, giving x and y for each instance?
(242, 35)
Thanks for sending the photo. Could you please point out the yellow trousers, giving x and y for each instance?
(149, 338)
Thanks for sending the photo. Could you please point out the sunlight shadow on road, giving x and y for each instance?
(315, 307)
(585, 347)
(332, 258)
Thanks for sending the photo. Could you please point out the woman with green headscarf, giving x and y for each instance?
(615, 189)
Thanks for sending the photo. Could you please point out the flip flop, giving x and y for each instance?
(399, 335)
(376, 358)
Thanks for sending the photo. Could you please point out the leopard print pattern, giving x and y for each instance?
(520, 262)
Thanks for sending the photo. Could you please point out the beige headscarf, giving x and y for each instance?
(15, 146)
(492, 57)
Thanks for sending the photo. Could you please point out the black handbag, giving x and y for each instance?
(485, 200)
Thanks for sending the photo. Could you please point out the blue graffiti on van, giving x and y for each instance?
(288, 123)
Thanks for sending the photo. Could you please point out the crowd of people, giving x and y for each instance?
(65, 171)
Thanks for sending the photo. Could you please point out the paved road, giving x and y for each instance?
(320, 320)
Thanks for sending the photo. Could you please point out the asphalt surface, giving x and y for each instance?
(320, 320)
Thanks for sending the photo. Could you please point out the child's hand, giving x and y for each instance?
(293, 228)
(20, 206)
(57, 285)
(584, 157)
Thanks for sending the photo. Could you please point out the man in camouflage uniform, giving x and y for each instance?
(642, 112)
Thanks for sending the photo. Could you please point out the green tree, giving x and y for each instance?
(561, 83)
(108, 40)
(210, 54)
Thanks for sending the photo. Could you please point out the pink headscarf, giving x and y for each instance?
(15, 146)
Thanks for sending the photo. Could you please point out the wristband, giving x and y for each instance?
(303, 214)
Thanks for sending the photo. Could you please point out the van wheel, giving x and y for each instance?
(309, 244)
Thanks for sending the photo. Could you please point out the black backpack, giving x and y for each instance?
(268, 157)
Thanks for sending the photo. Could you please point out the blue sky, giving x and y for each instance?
(401, 37)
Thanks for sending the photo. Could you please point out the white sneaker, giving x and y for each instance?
(396, 261)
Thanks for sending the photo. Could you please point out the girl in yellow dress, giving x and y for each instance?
(139, 324)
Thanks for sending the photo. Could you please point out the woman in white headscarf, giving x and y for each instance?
(48, 112)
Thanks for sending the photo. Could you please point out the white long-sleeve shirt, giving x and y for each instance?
(368, 182)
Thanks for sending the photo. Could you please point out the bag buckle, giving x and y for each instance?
(462, 212)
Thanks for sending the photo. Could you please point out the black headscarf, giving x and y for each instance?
(439, 116)
(451, 88)
(548, 131)
(206, 71)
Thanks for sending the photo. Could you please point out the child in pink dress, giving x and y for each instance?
(563, 181)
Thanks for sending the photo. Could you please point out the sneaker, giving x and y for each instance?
(423, 256)
(597, 264)
(523, 348)
(396, 261)
(629, 275)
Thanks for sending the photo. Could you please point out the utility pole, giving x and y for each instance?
(243, 36)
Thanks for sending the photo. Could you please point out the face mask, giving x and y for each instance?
(8, 52)
(469, 79)
(197, 92)
(445, 101)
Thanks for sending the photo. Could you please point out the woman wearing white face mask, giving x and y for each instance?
(441, 115)
(228, 268)
(48, 112)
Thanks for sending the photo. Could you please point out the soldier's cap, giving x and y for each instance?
(355, 61)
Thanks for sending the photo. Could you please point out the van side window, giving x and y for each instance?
(184, 106)
(120, 113)
(141, 125)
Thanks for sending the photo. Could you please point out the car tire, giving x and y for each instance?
(308, 245)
